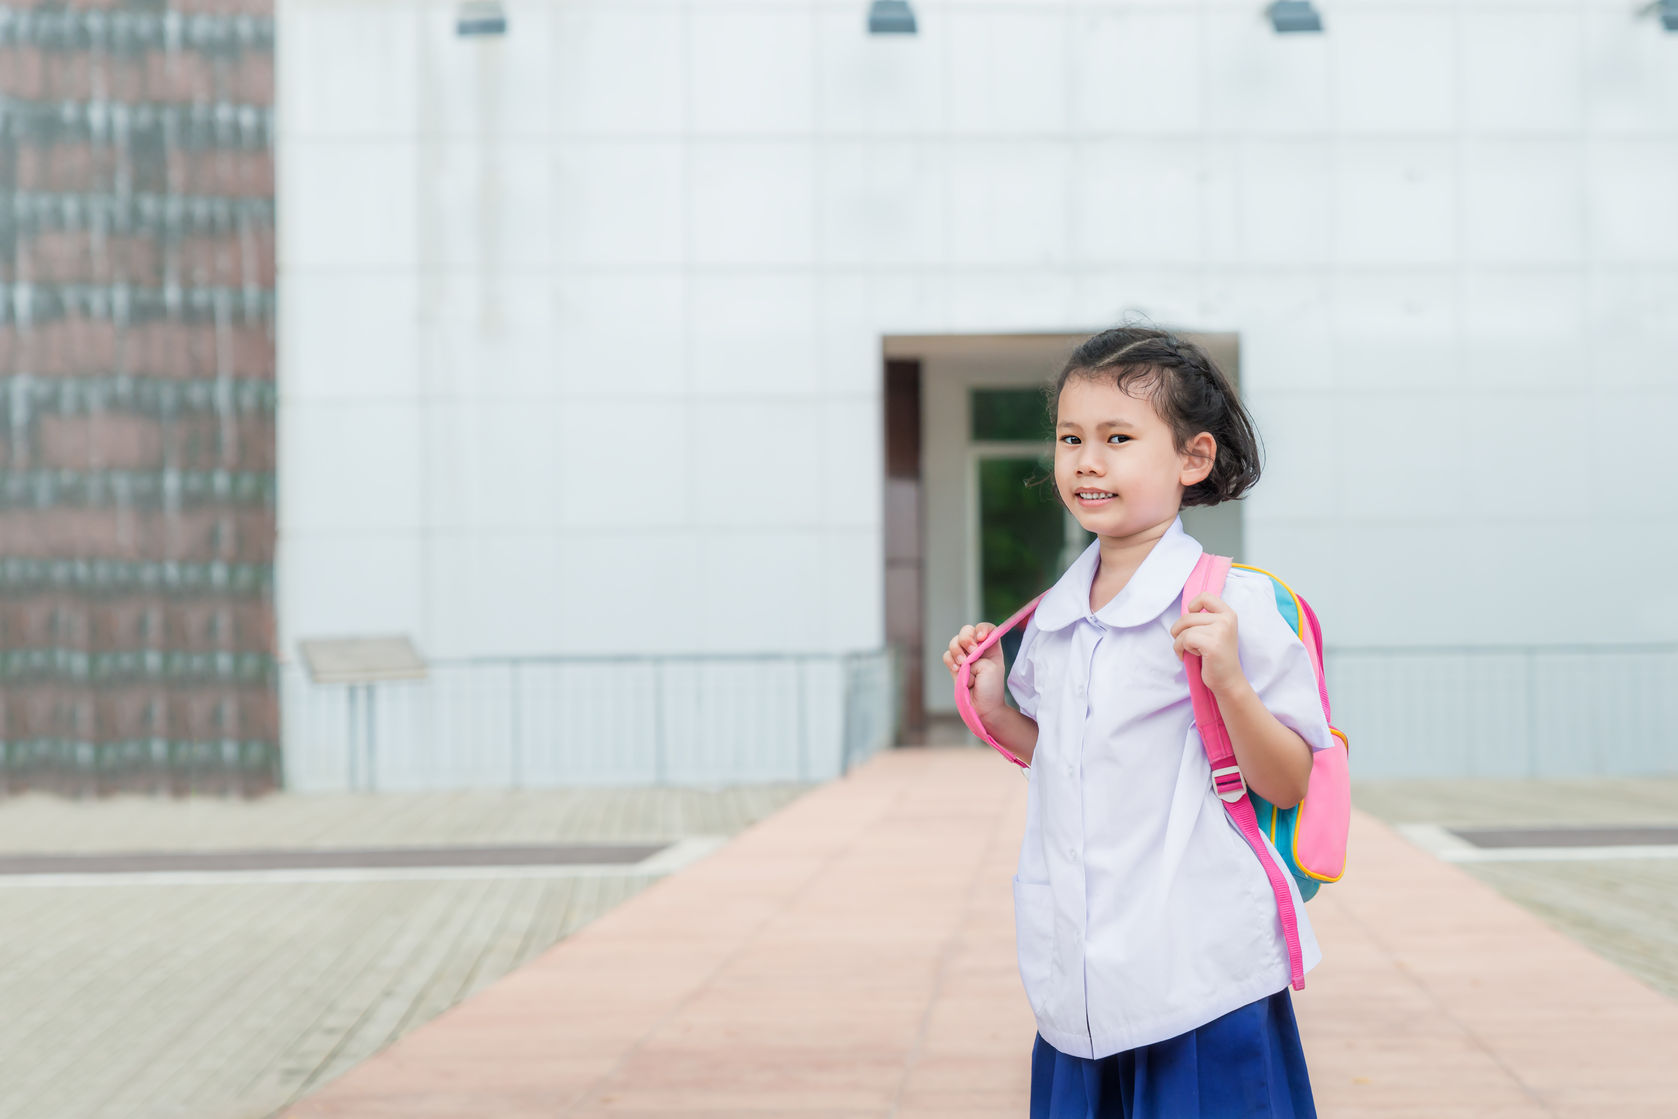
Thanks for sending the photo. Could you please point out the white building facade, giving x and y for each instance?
(583, 331)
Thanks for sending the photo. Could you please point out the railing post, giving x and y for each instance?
(660, 761)
(845, 714)
(803, 723)
(350, 738)
(372, 739)
(515, 745)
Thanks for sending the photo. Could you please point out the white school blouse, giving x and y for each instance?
(1139, 910)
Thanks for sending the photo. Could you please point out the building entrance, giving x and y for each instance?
(974, 528)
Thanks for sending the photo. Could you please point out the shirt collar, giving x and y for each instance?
(1156, 584)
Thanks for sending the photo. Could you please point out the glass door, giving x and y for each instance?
(1024, 536)
(1021, 538)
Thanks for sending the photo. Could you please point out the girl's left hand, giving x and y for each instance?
(1210, 632)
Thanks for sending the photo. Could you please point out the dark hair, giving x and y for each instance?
(1189, 392)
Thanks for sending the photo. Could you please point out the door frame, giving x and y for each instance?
(951, 367)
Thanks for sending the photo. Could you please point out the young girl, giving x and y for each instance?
(1149, 943)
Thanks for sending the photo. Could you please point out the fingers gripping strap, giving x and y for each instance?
(964, 677)
(1208, 578)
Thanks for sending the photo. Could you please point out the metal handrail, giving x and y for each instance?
(635, 717)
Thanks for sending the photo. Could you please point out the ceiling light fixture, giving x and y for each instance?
(1666, 11)
(1290, 17)
(481, 17)
(891, 17)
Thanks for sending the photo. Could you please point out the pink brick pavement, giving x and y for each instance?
(853, 956)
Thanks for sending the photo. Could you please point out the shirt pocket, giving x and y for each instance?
(1034, 936)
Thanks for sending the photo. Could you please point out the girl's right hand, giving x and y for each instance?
(987, 685)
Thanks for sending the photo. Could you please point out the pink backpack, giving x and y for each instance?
(1311, 836)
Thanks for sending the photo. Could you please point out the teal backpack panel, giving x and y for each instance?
(1278, 825)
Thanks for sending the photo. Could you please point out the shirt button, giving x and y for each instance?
(1072, 853)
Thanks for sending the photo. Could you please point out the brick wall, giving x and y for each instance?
(137, 397)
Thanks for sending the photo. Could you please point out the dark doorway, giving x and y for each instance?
(903, 534)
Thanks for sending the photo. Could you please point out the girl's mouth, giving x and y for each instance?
(1090, 499)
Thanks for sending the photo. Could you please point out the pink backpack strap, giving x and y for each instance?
(1208, 578)
(964, 676)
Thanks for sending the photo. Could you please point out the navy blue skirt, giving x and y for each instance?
(1246, 1065)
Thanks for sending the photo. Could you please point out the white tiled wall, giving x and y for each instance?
(580, 327)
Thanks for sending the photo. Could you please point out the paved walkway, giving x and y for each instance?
(1624, 908)
(852, 956)
(229, 993)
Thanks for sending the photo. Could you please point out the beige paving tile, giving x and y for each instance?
(228, 1001)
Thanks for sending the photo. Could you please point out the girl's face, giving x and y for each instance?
(1117, 466)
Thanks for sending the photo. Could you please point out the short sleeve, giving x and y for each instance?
(1022, 678)
(1274, 659)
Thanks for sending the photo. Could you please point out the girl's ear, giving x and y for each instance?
(1198, 458)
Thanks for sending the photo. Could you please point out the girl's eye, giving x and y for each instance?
(1073, 441)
